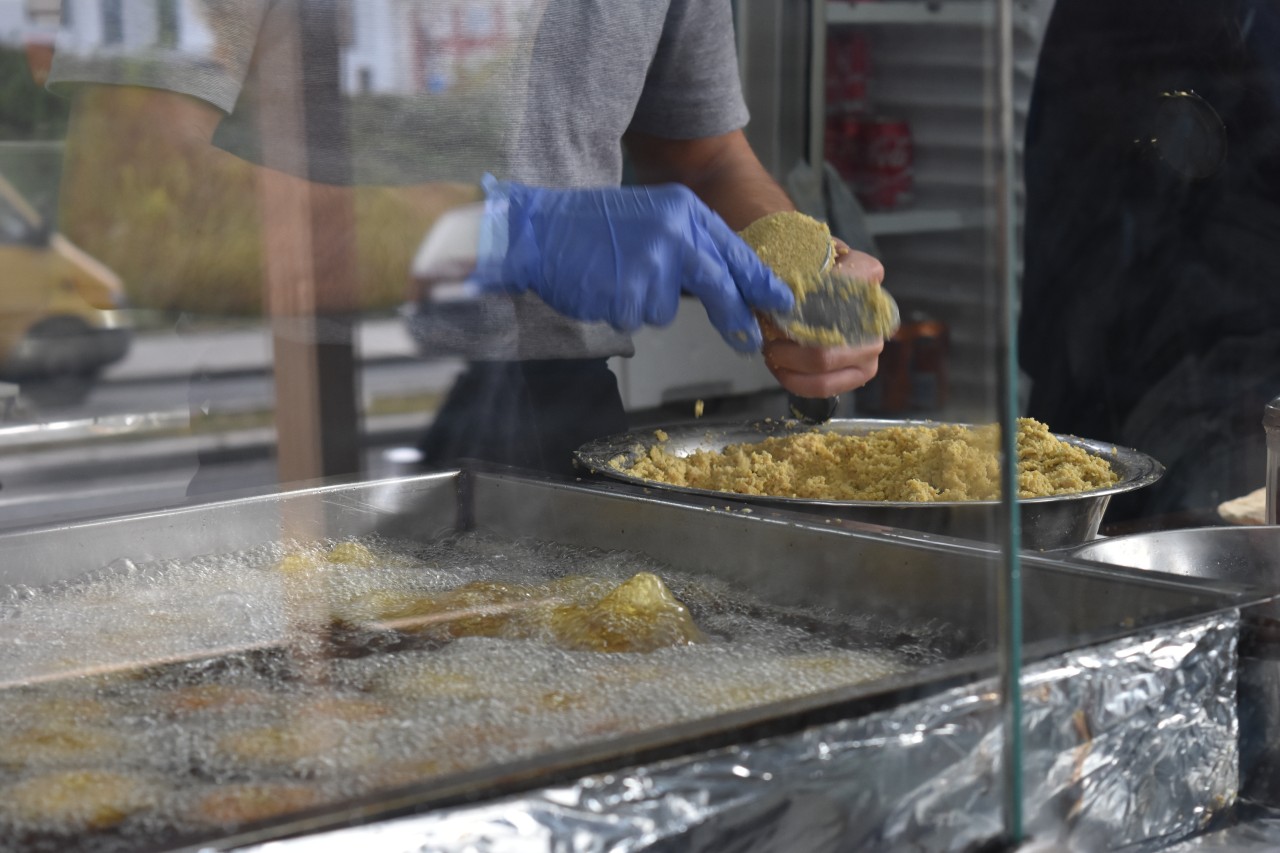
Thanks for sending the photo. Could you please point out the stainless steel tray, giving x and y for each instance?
(1048, 522)
(782, 559)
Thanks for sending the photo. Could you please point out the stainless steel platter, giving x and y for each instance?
(1048, 522)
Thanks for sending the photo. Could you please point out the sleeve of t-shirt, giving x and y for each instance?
(199, 49)
(692, 89)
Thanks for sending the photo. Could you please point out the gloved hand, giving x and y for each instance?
(818, 372)
(623, 255)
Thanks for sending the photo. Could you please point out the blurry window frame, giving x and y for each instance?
(112, 22)
(14, 228)
(167, 23)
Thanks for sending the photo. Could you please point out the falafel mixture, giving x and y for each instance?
(948, 462)
(800, 250)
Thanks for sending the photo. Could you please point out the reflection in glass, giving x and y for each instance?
(1149, 301)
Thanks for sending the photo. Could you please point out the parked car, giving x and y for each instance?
(62, 316)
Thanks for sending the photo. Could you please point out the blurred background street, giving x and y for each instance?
(56, 461)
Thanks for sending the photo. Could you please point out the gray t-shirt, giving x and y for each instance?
(536, 91)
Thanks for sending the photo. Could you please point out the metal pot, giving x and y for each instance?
(1047, 523)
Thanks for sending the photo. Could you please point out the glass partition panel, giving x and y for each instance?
(418, 413)
(1147, 321)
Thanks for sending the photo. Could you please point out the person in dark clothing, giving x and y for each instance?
(1151, 296)
(529, 414)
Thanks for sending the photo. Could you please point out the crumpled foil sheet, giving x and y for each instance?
(1259, 833)
(1128, 743)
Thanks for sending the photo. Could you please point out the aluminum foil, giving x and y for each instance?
(1128, 745)
(1260, 833)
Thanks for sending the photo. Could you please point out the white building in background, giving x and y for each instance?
(14, 22)
(170, 24)
(401, 46)
(376, 60)
(43, 15)
(392, 46)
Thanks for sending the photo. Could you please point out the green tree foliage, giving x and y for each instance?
(27, 111)
(186, 231)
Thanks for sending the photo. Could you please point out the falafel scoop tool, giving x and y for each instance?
(831, 308)
(836, 310)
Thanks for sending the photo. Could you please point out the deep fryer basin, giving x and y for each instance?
(784, 560)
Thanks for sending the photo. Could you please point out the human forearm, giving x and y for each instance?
(727, 175)
(191, 227)
(723, 171)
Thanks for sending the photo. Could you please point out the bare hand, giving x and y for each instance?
(812, 371)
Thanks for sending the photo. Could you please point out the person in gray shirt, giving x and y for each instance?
(534, 129)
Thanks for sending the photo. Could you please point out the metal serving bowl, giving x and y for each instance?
(1050, 522)
(1249, 556)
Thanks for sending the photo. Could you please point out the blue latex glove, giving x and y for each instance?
(622, 255)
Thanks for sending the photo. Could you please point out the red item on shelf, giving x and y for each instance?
(889, 392)
(913, 370)
(930, 343)
(844, 144)
(848, 68)
(885, 173)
